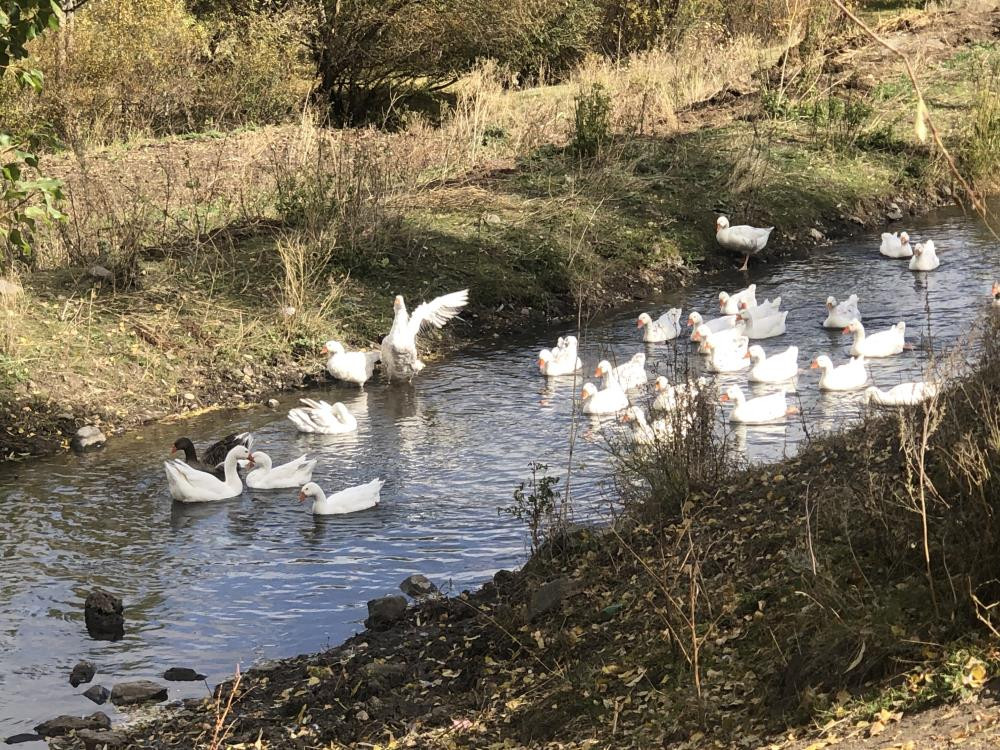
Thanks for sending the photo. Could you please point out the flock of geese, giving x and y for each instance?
(724, 341)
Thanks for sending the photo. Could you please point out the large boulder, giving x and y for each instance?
(83, 672)
(382, 613)
(548, 597)
(19, 739)
(417, 586)
(103, 614)
(101, 740)
(88, 438)
(139, 691)
(61, 725)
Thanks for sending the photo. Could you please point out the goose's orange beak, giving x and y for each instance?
(814, 365)
(583, 394)
(250, 461)
(847, 329)
(746, 355)
(173, 449)
(324, 350)
(541, 362)
(302, 496)
(598, 372)
(657, 386)
(724, 397)
(639, 323)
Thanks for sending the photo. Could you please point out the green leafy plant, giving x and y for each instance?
(27, 198)
(536, 506)
(592, 121)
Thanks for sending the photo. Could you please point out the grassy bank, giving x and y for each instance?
(827, 600)
(211, 239)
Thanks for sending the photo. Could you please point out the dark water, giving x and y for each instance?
(213, 585)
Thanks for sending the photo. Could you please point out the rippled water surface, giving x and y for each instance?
(255, 577)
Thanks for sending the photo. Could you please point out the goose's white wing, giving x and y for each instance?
(437, 312)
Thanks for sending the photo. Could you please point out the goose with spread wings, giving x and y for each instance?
(399, 347)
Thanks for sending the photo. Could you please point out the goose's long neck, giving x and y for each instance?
(859, 335)
(232, 476)
(319, 499)
(400, 319)
(738, 398)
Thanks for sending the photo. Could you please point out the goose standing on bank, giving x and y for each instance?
(778, 368)
(351, 500)
(213, 455)
(323, 418)
(729, 304)
(665, 328)
(924, 257)
(188, 485)
(882, 344)
(904, 394)
(268, 477)
(841, 314)
(896, 245)
(562, 360)
(399, 347)
(741, 239)
(351, 367)
(846, 377)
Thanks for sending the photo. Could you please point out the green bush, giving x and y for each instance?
(592, 122)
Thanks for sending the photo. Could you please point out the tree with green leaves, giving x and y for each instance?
(26, 198)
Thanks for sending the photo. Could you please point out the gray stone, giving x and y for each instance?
(61, 725)
(273, 403)
(95, 740)
(190, 396)
(385, 611)
(492, 219)
(182, 674)
(894, 213)
(97, 693)
(548, 597)
(816, 234)
(417, 586)
(83, 672)
(139, 691)
(10, 290)
(103, 615)
(87, 438)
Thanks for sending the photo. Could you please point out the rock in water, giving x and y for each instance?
(93, 740)
(385, 611)
(417, 586)
(103, 615)
(139, 691)
(61, 725)
(98, 693)
(88, 438)
(182, 674)
(83, 672)
(17, 739)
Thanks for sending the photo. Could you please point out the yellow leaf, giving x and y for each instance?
(513, 704)
(313, 681)
(877, 727)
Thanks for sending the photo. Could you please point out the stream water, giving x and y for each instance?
(210, 586)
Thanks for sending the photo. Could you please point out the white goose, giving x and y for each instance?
(628, 375)
(765, 308)
(924, 257)
(777, 368)
(896, 245)
(846, 377)
(760, 410)
(609, 400)
(729, 304)
(995, 292)
(323, 418)
(351, 367)
(730, 359)
(399, 347)
(268, 477)
(881, 344)
(351, 500)
(643, 432)
(741, 239)
(904, 394)
(188, 485)
(665, 328)
(715, 325)
(669, 396)
(726, 338)
(840, 314)
(560, 361)
(763, 327)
